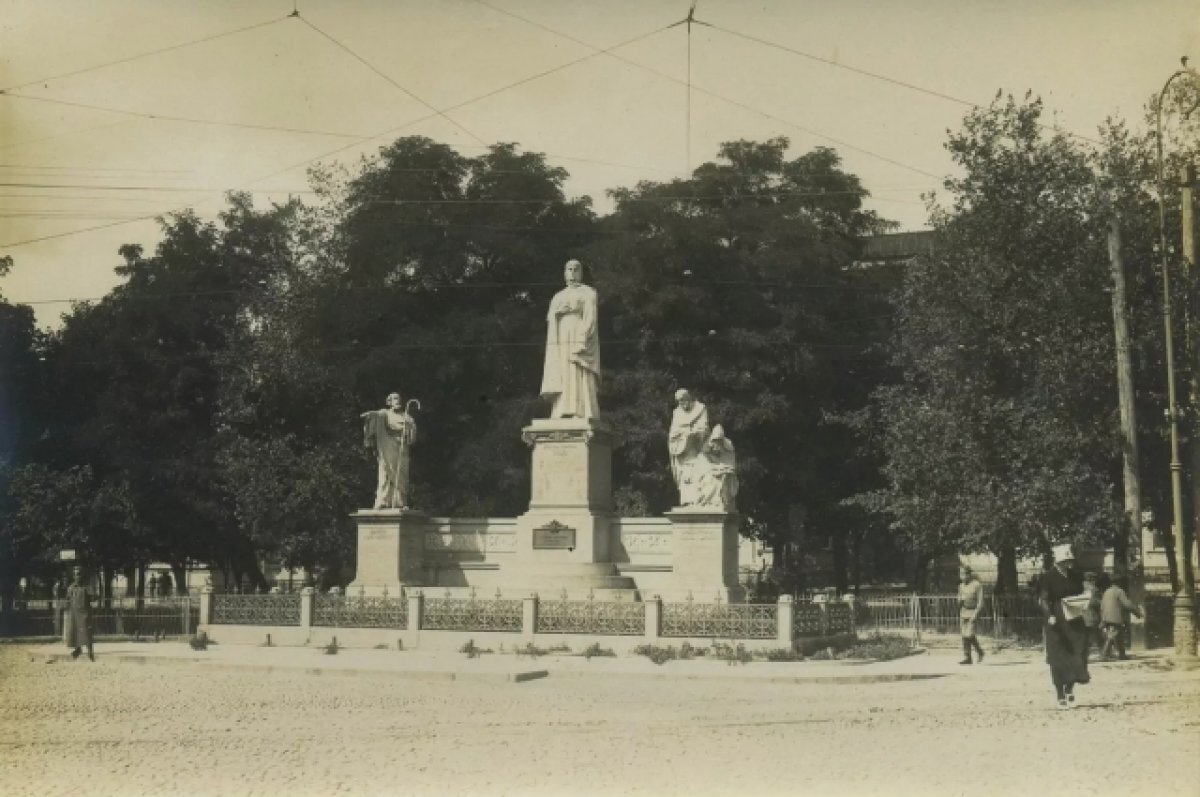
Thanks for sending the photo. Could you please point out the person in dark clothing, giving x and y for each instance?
(1064, 628)
(1115, 608)
(77, 618)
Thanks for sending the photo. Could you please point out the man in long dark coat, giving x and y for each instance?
(77, 618)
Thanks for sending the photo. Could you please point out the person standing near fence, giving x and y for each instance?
(1063, 628)
(77, 617)
(1091, 614)
(970, 602)
(1115, 608)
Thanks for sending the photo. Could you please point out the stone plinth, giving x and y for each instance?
(391, 551)
(704, 548)
(564, 541)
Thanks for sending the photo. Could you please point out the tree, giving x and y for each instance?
(1001, 435)
(736, 283)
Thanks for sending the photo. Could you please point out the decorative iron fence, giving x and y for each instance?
(471, 614)
(256, 609)
(591, 617)
(343, 611)
(1010, 617)
(732, 621)
(149, 617)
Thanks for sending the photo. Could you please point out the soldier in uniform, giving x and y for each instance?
(970, 602)
(77, 617)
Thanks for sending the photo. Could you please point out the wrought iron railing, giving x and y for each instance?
(732, 621)
(472, 614)
(347, 611)
(256, 609)
(591, 617)
(807, 619)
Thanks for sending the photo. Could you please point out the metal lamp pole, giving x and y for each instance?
(1184, 604)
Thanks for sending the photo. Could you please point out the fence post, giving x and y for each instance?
(206, 602)
(654, 618)
(416, 605)
(824, 617)
(916, 617)
(785, 616)
(850, 599)
(306, 608)
(529, 612)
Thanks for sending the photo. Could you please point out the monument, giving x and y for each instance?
(390, 535)
(570, 540)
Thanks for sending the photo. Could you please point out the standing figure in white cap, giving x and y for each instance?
(1062, 607)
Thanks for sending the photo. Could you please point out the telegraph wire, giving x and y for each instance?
(162, 117)
(715, 95)
(329, 153)
(159, 51)
(79, 131)
(385, 76)
(873, 75)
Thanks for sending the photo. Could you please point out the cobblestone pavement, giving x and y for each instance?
(179, 729)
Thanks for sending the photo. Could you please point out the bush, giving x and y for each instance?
(731, 654)
(471, 650)
(657, 653)
(879, 647)
(781, 654)
(199, 641)
(594, 649)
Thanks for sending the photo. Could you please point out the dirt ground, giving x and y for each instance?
(110, 728)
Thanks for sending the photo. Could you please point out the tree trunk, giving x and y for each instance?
(1127, 548)
(1006, 571)
(179, 571)
(839, 564)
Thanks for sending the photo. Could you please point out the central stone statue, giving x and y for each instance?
(571, 375)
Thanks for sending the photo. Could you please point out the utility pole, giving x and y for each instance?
(1184, 603)
(1128, 551)
(1184, 542)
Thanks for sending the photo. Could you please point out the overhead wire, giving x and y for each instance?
(338, 150)
(716, 95)
(163, 117)
(873, 75)
(147, 54)
(385, 76)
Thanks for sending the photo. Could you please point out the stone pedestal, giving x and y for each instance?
(391, 551)
(564, 541)
(704, 554)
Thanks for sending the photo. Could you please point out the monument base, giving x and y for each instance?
(704, 559)
(391, 551)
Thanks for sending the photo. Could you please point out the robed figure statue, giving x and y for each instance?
(571, 375)
(391, 432)
(686, 438)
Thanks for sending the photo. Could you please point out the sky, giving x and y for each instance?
(115, 112)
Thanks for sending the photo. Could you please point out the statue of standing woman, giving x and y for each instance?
(571, 375)
(391, 432)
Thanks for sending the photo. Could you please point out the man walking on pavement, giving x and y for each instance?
(970, 601)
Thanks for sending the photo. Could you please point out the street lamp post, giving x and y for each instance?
(1184, 603)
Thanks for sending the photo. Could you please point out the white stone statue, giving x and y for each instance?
(391, 432)
(688, 434)
(715, 473)
(571, 374)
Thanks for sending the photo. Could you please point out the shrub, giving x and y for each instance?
(781, 654)
(594, 649)
(657, 653)
(472, 650)
(332, 648)
(199, 641)
(879, 647)
(731, 654)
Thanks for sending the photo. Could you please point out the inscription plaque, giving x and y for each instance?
(554, 536)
